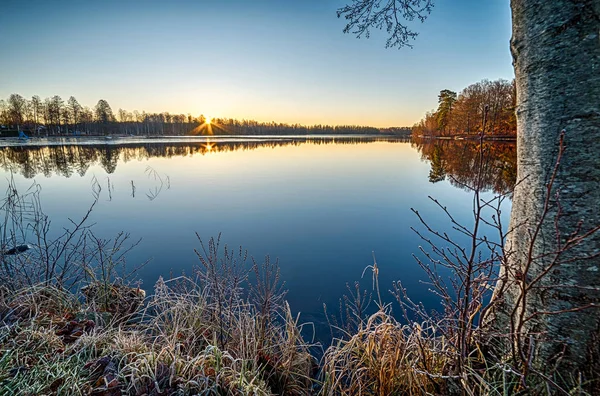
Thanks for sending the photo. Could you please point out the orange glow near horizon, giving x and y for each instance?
(206, 128)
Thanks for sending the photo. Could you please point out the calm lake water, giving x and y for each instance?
(320, 205)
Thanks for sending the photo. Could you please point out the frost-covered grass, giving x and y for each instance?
(177, 342)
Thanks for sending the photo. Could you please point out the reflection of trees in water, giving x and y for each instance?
(109, 159)
(438, 165)
(65, 160)
(460, 160)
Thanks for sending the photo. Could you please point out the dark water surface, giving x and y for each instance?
(320, 205)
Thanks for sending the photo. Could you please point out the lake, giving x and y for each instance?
(321, 205)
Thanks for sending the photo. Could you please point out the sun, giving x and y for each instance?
(208, 121)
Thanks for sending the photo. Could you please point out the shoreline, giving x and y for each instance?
(509, 138)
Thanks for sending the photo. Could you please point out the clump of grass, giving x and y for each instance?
(212, 341)
(228, 331)
(38, 302)
(213, 371)
(35, 357)
(384, 357)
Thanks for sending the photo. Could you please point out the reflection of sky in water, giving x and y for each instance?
(320, 209)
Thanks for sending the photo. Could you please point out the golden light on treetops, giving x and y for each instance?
(205, 126)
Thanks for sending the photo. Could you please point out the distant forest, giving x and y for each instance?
(54, 116)
(486, 106)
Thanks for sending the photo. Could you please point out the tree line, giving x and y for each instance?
(484, 107)
(54, 116)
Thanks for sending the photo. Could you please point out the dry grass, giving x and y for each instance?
(185, 339)
(381, 358)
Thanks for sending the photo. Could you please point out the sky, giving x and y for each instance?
(267, 60)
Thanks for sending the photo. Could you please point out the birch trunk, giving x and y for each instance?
(556, 52)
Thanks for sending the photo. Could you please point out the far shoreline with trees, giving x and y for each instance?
(54, 117)
(483, 108)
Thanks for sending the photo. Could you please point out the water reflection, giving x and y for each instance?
(320, 205)
(459, 160)
(67, 159)
(456, 161)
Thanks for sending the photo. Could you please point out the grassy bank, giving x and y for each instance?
(229, 331)
(177, 342)
(226, 330)
(203, 337)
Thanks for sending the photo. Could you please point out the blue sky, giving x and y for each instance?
(280, 60)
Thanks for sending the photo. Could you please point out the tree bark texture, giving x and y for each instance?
(556, 53)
